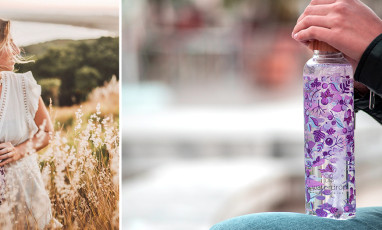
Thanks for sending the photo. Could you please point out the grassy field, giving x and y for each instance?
(107, 96)
(80, 166)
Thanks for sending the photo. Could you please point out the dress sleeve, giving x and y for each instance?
(33, 93)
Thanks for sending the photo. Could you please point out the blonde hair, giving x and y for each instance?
(6, 42)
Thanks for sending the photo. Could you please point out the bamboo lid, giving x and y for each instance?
(321, 46)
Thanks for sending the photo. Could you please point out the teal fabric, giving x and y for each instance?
(366, 218)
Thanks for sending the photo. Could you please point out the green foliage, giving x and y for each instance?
(40, 49)
(80, 65)
(50, 89)
(85, 79)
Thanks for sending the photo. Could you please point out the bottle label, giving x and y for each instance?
(329, 145)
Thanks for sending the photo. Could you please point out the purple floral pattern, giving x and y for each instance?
(329, 146)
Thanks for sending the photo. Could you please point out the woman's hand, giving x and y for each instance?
(347, 25)
(9, 153)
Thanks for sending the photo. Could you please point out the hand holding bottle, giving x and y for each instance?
(347, 25)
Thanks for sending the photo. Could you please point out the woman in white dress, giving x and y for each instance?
(24, 202)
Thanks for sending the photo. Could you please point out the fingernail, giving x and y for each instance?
(295, 36)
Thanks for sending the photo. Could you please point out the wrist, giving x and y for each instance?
(361, 89)
(20, 150)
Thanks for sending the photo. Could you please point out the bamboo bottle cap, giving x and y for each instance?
(321, 46)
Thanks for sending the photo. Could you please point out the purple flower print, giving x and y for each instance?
(349, 157)
(308, 148)
(325, 153)
(312, 183)
(306, 118)
(351, 198)
(318, 162)
(352, 180)
(315, 121)
(325, 97)
(337, 108)
(331, 131)
(329, 116)
(351, 101)
(334, 88)
(311, 144)
(326, 192)
(325, 206)
(307, 171)
(316, 83)
(352, 194)
(318, 135)
(348, 116)
(349, 208)
(321, 213)
(345, 86)
(320, 197)
(328, 168)
(333, 210)
(350, 138)
(329, 141)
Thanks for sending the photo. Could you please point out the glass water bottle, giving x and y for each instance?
(329, 124)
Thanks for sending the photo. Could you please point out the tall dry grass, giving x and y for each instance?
(80, 166)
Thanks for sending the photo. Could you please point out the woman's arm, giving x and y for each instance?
(10, 153)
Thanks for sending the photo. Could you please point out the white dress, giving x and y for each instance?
(24, 199)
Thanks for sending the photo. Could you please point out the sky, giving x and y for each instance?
(96, 6)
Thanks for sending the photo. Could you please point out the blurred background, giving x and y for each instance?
(212, 113)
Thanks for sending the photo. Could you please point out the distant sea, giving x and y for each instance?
(28, 33)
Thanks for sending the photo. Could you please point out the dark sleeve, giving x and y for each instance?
(369, 73)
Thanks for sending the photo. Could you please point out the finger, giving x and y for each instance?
(321, 2)
(9, 160)
(311, 21)
(5, 156)
(5, 145)
(321, 10)
(361, 88)
(314, 33)
(10, 154)
(5, 150)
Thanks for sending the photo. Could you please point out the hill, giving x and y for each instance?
(40, 49)
(68, 70)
